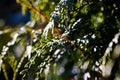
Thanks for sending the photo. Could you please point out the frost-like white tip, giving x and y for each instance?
(28, 51)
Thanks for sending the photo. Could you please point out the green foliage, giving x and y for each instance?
(81, 41)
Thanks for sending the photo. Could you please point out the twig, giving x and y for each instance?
(37, 11)
(18, 66)
(32, 7)
(4, 71)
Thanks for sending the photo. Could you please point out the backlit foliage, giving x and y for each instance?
(66, 39)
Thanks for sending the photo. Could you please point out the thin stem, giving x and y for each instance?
(4, 71)
(32, 7)
(18, 66)
(37, 11)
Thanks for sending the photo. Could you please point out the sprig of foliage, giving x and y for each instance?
(80, 40)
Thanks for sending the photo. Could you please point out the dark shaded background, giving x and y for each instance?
(11, 14)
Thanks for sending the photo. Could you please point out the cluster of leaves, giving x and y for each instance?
(80, 41)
